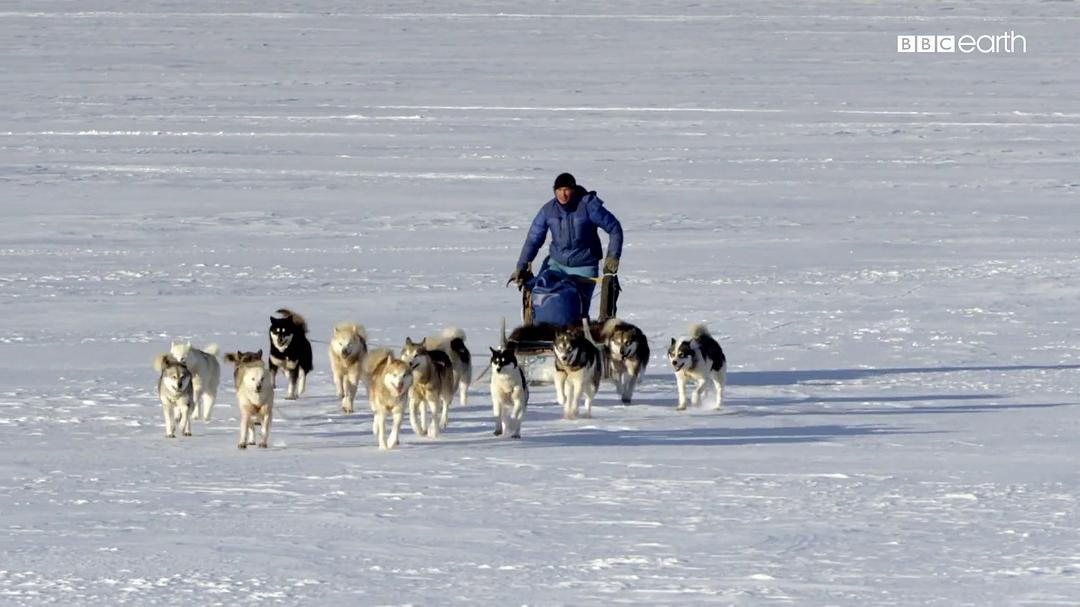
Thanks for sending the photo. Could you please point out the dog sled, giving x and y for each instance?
(552, 301)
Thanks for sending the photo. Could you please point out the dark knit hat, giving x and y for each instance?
(565, 180)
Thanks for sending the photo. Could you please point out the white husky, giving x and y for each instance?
(348, 346)
(388, 379)
(174, 390)
(452, 342)
(698, 357)
(254, 396)
(509, 392)
(205, 373)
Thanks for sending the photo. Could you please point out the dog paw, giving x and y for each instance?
(262, 445)
(626, 400)
(170, 436)
(241, 446)
(515, 435)
(498, 432)
(187, 433)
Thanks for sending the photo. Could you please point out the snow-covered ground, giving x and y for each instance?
(886, 245)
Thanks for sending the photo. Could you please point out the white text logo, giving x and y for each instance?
(1008, 42)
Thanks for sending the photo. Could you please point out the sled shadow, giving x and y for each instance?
(708, 437)
(787, 378)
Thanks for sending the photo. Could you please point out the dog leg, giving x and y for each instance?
(301, 382)
(573, 392)
(380, 428)
(170, 430)
(463, 392)
(416, 424)
(245, 426)
(718, 381)
(518, 413)
(434, 427)
(291, 392)
(496, 410)
(186, 413)
(560, 385)
(588, 393)
(699, 391)
(680, 383)
(445, 420)
(395, 429)
(339, 377)
(266, 418)
(209, 400)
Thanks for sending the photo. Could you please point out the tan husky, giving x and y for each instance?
(388, 379)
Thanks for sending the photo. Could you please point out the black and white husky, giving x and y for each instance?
(432, 387)
(627, 355)
(509, 392)
(348, 346)
(176, 394)
(290, 350)
(578, 368)
(452, 342)
(698, 357)
(205, 373)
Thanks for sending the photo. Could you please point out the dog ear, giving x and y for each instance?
(493, 351)
(673, 341)
(232, 357)
(259, 353)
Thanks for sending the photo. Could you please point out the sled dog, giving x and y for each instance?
(627, 355)
(348, 346)
(254, 396)
(388, 379)
(698, 357)
(452, 342)
(176, 394)
(509, 392)
(432, 387)
(290, 350)
(578, 368)
(205, 373)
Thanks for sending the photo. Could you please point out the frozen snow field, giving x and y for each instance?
(885, 244)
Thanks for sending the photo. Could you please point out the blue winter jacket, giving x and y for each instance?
(574, 240)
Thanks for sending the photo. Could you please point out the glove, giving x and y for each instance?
(520, 276)
(611, 265)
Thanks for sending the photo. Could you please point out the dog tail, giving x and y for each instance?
(451, 333)
(609, 328)
(373, 360)
(160, 361)
(699, 330)
(296, 318)
(352, 326)
(588, 332)
(212, 350)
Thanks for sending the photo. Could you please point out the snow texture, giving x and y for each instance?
(885, 245)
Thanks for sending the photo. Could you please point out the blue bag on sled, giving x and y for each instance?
(556, 299)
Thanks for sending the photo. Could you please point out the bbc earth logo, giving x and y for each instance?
(986, 44)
